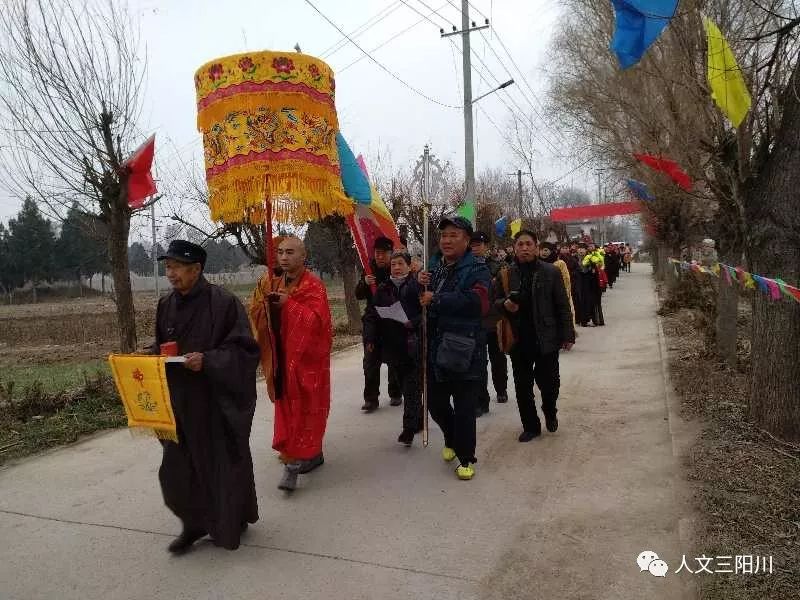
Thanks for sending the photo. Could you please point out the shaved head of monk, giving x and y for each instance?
(292, 256)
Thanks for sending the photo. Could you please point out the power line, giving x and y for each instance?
(522, 75)
(535, 110)
(362, 29)
(394, 37)
(379, 64)
(535, 134)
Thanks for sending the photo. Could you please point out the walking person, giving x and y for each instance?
(207, 477)
(400, 342)
(382, 252)
(537, 305)
(589, 307)
(292, 320)
(457, 301)
(479, 245)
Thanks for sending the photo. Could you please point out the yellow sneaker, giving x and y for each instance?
(465, 472)
(448, 454)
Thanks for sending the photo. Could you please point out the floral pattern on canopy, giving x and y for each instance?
(269, 125)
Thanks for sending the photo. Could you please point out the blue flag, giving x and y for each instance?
(354, 181)
(500, 226)
(640, 190)
(639, 23)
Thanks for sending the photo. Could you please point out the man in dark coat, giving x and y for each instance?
(382, 253)
(480, 248)
(457, 301)
(207, 477)
(537, 305)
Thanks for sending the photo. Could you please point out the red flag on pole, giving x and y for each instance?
(670, 167)
(140, 180)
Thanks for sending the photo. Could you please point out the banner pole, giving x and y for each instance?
(425, 242)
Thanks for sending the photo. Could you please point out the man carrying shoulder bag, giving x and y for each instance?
(531, 295)
(457, 299)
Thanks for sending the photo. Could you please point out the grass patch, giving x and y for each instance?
(32, 419)
(54, 377)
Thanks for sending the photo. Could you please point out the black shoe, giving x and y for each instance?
(551, 424)
(289, 480)
(397, 401)
(502, 398)
(369, 406)
(480, 411)
(406, 437)
(527, 436)
(185, 540)
(244, 527)
(306, 466)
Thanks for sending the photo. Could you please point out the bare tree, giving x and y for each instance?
(745, 177)
(70, 97)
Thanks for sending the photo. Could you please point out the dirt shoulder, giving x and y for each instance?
(746, 483)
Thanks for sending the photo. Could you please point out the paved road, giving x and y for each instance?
(561, 517)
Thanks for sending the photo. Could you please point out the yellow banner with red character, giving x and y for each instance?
(142, 384)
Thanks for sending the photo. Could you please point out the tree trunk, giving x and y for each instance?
(349, 278)
(772, 214)
(119, 227)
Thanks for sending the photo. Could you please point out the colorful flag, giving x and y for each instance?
(369, 222)
(669, 167)
(140, 180)
(354, 179)
(467, 210)
(142, 385)
(638, 25)
(500, 226)
(725, 77)
(515, 226)
(640, 190)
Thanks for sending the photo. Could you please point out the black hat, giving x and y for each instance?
(479, 236)
(185, 252)
(383, 243)
(457, 222)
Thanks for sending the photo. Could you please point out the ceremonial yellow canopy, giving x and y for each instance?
(269, 127)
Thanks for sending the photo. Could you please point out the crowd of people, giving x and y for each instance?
(472, 304)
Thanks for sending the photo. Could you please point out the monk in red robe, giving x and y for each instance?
(292, 324)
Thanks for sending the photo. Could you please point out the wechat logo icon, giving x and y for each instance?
(649, 561)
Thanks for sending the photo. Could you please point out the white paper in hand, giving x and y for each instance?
(175, 359)
(394, 312)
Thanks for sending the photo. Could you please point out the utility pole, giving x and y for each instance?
(469, 148)
(154, 252)
(519, 191)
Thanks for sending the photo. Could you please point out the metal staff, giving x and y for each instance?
(425, 210)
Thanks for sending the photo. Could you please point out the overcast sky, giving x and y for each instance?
(376, 112)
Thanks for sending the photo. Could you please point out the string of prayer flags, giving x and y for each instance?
(515, 226)
(725, 78)
(638, 25)
(668, 167)
(142, 385)
(774, 288)
(640, 190)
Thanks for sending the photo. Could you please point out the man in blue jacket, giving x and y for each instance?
(457, 299)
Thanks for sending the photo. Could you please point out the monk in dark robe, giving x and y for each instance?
(292, 323)
(207, 477)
